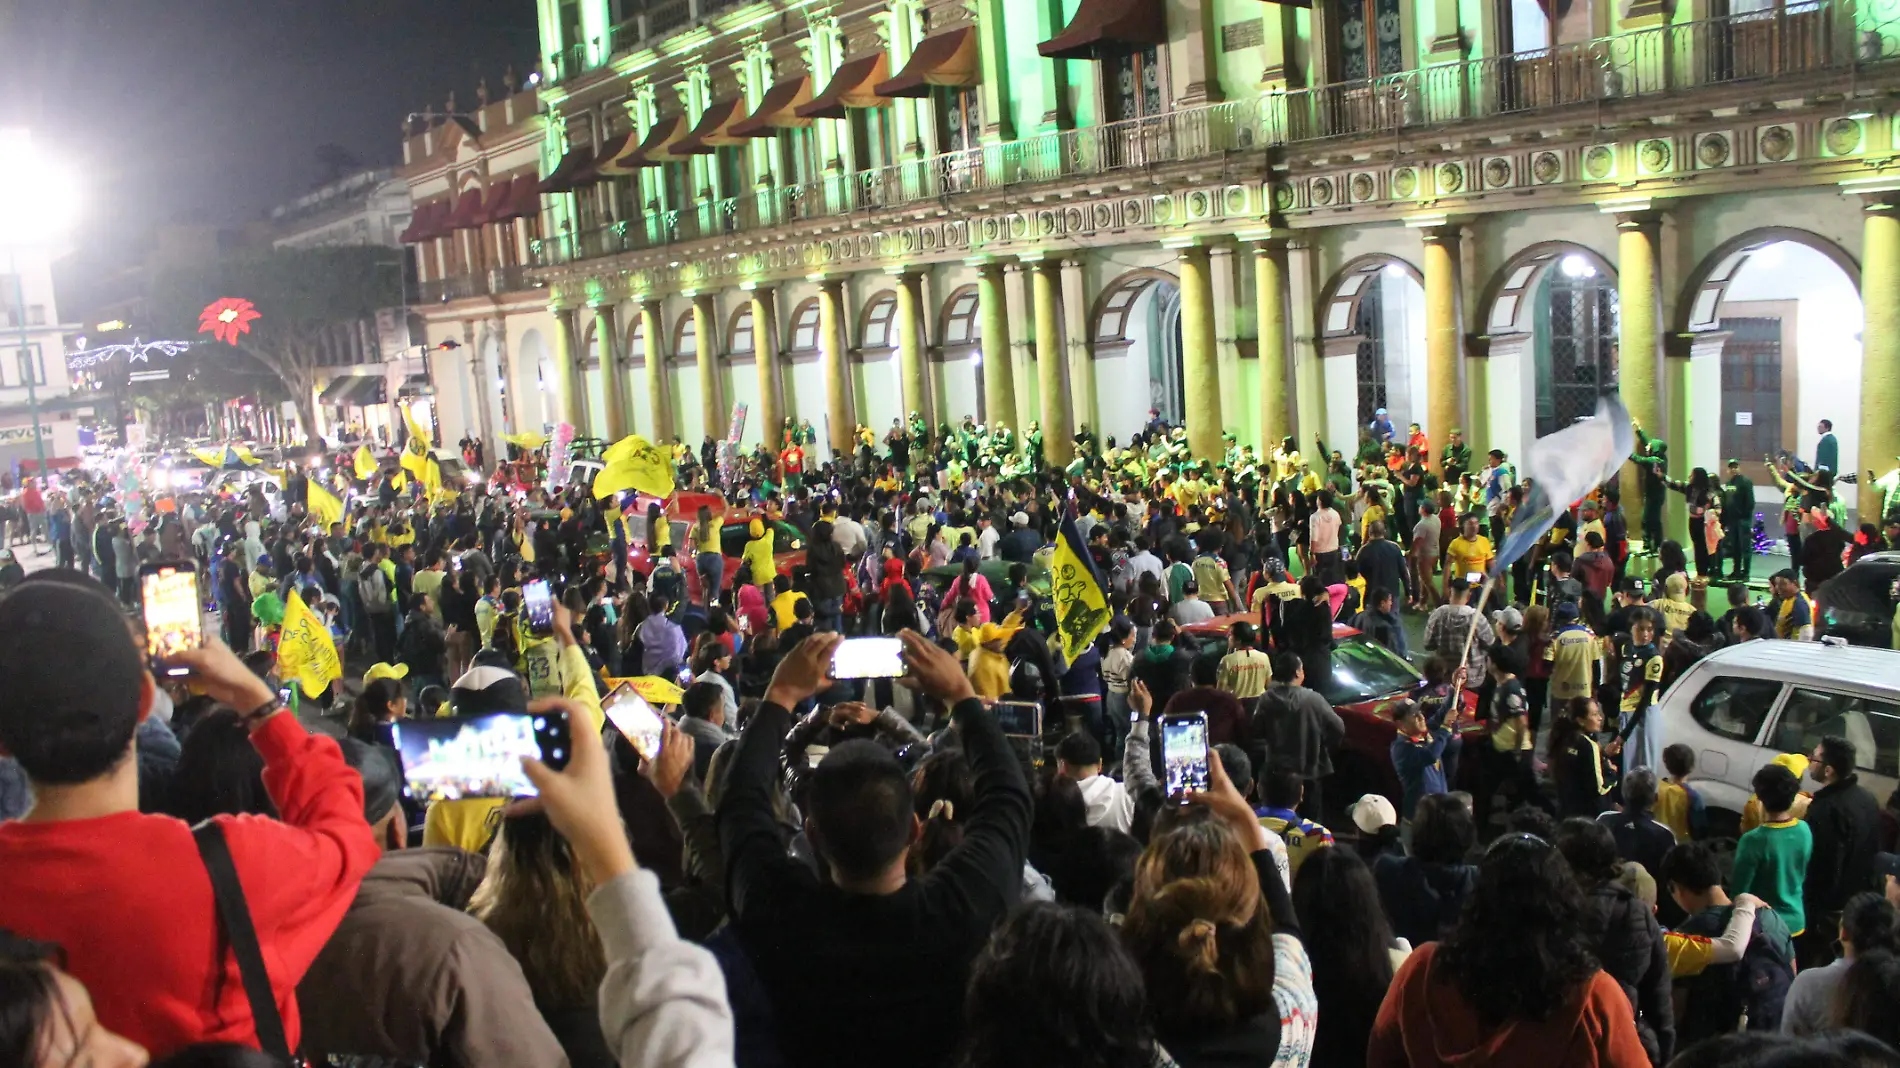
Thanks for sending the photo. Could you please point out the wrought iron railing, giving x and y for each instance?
(1807, 37)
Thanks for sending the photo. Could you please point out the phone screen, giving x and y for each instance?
(537, 606)
(1476, 578)
(632, 716)
(1184, 751)
(868, 658)
(1019, 719)
(477, 756)
(173, 623)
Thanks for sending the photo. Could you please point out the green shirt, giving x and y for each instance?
(1771, 862)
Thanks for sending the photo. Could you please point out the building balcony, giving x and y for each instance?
(494, 282)
(1817, 39)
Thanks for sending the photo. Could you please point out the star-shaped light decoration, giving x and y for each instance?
(228, 317)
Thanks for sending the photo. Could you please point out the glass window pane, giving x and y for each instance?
(1363, 669)
(1873, 726)
(1735, 708)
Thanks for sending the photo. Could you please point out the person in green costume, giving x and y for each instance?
(1652, 456)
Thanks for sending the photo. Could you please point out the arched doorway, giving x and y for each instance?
(740, 372)
(1137, 331)
(1372, 341)
(535, 407)
(595, 365)
(633, 377)
(1774, 316)
(1551, 331)
(957, 361)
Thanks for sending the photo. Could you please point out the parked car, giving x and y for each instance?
(1858, 604)
(1367, 679)
(1741, 706)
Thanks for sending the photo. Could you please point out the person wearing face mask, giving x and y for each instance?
(1844, 820)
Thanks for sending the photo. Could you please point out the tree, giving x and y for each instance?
(310, 302)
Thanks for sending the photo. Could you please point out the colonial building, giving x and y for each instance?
(1261, 219)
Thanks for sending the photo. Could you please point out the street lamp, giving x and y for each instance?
(38, 200)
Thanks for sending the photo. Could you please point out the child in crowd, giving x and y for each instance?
(1679, 805)
(1771, 861)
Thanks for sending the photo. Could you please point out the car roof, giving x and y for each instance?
(1859, 667)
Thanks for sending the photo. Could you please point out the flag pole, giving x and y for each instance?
(1484, 594)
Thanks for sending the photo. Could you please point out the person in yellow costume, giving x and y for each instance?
(757, 560)
(989, 666)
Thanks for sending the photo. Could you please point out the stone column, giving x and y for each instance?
(567, 377)
(831, 345)
(1081, 361)
(656, 371)
(999, 385)
(1639, 344)
(613, 394)
(1052, 385)
(1880, 347)
(765, 363)
(1022, 347)
(1200, 374)
(910, 347)
(1444, 402)
(706, 348)
(1224, 276)
(483, 371)
(1305, 359)
(1269, 284)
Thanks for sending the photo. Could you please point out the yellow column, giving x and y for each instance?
(706, 347)
(613, 393)
(1444, 405)
(1639, 344)
(765, 362)
(1081, 363)
(1269, 286)
(1052, 384)
(999, 389)
(831, 344)
(910, 346)
(656, 371)
(566, 366)
(1880, 348)
(1200, 373)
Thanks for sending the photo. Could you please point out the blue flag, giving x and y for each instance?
(1562, 468)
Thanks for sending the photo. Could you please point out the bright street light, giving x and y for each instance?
(38, 201)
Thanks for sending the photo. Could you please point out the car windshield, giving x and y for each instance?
(1363, 670)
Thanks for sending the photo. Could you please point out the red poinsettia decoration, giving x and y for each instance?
(227, 317)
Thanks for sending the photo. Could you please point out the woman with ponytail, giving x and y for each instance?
(1212, 928)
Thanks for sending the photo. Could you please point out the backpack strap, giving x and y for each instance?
(234, 918)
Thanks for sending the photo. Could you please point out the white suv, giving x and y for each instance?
(1741, 706)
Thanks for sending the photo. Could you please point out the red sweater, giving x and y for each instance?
(127, 896)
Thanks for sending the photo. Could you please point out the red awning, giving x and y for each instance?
(853, 86)
(712, 128)
(526, 203)
(592, 173)
(426, 223)
(1107, 27)
(561, 178)
(468, 214)
(948, 58)
(777, 110)
(657, 148)
(500, 193)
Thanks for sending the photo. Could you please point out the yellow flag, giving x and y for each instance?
(635, 463)
(527, 439)
(365, 462)
(324, 505)
(431, 477)
(400, 481)
(417, 448)
(653, 688)
(304, 649)
(1081, 603)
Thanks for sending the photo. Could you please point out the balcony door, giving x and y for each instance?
(1133, 91)
(1549, 61)
(1764, 38)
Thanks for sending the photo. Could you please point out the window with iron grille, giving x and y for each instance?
(1579, 363)
(1369, 324)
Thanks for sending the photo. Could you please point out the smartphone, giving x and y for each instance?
(1184, 752)
(458, 757)
(868, 658)
(537, 607)
(173, 622)
(1476, 578)
(632, 716)
(1019, 719)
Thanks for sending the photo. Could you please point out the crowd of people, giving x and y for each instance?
(824, 872)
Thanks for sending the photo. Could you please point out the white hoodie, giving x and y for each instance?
(1109, 802)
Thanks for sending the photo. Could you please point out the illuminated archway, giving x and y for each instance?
(1372, 348)
(1136, 327)
(1550, 335)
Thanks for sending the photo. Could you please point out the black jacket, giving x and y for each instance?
(1845, 821)
(1422, 900)
(1305, 628)
(1639, 837)
(1630, 946)
(826, 561)
(1382, 564)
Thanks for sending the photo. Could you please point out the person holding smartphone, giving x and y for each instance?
(126, 894)
(810, 940)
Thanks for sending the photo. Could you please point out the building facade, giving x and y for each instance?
(1259, 219)
(33, 341)
(370, 207)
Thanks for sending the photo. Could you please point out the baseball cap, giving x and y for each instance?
(1508, 618)
(1020, 519)
(1565, 611)
(1372, 813)
(385, 671)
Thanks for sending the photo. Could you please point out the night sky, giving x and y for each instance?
(211, 110)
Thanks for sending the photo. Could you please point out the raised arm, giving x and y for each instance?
(1138, 769)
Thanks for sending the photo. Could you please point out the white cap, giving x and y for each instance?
(1372, 813)
(1020, 519)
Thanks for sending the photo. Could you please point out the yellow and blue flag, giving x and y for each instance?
(1081, 596)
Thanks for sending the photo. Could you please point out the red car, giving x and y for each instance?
(788, 549)
(1367, 679)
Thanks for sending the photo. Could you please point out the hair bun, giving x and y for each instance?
(1200, 940)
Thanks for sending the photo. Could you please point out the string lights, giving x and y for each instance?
(135, 352)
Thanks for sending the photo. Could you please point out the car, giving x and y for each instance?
(788, 549)
(1741, 706)
(1367, 679)
(1859, 603)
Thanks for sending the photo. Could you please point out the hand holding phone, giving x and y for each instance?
(537, 607)
(457, 757)
(579, 799)
(868, 658)
(1184, 754)
(630, 714)
(173, 622)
